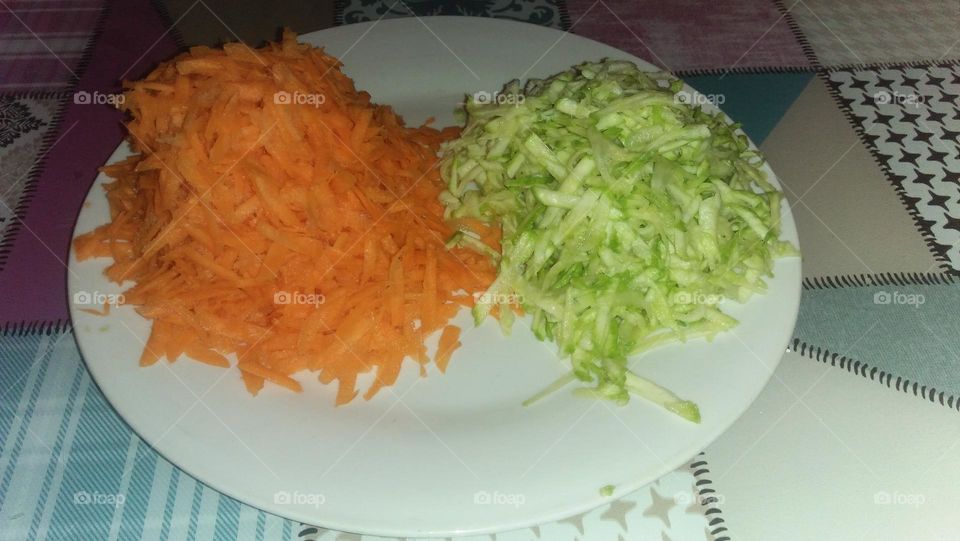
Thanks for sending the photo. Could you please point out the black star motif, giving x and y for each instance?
(946, 97)
(939, 200)
(871, 139)
(952, 223)
(937, 156)
(896, 138)
(912, 83)
(924, 224)
(884, 83)
(883, 119)
(935, 116)
(950, 135)
(950, 176)
(909, 118)
(859, 83)
(923, 136)
(940, 249)
(912, 203)
(897, 179)
(910, 157)
(924, 178)
(15, 120)
(934, 81)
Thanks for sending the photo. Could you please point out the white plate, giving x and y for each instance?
(458, 454)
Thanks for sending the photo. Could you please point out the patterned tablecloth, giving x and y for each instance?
(857, 107)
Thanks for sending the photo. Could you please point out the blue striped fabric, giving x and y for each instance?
(70, 468)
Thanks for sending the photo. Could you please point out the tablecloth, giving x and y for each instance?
(855, 104)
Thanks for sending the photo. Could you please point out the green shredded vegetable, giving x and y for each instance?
(627, 215)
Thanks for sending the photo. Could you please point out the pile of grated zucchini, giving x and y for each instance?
(627, 215)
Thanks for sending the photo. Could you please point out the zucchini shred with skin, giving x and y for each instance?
(627, 215)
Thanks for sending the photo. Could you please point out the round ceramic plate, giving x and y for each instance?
(445, 454)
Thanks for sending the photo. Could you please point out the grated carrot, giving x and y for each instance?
(274, 212)
(449, 342)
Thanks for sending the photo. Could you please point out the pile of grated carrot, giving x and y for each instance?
(274, 212)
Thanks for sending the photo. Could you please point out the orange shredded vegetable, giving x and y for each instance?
(449, 342)
(274, 212)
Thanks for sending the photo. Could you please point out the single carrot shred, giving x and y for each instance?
(252, 382)
(271, 375)
(105, 311)
(449, 342)
(274, 212)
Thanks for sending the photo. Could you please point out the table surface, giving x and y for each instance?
(856, 106)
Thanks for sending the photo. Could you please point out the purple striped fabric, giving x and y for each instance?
(42, 42)
(693, 35)
(134, 39)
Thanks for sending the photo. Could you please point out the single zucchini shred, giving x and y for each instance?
(627, 215)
